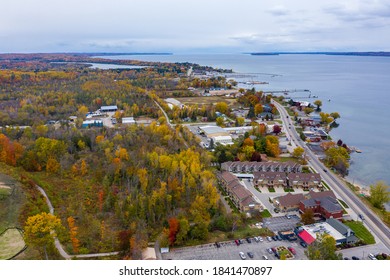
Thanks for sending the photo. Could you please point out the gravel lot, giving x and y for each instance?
(230, 251)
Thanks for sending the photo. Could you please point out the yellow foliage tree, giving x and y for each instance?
(40, 230)
(83, 168)
(52, 165)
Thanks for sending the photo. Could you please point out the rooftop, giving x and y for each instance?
(270, 176)
(328, 203)
(227, 177)
(323, 227)
(290, 199)
(211, 129)
(304, 177)
(316, 195)
(111, 107)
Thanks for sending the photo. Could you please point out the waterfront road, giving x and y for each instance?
(371, 220)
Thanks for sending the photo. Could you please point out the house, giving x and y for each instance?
(317, 195)
(239, 195)
(270, 179)
(288, 202)
(253, 166)
(304, 180)
(242, 198)
(323, 207)
(226, 178)
(105, 109)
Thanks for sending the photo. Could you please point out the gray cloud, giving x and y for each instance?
(279, 10)
(176, 25)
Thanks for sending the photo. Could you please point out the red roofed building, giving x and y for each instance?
(306, 237)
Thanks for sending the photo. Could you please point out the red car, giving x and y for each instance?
(292, 250)
(237, 242)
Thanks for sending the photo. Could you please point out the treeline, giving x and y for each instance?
(119, 182)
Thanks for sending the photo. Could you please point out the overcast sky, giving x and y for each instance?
(201, 26)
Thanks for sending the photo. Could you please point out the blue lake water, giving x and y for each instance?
(358, 87)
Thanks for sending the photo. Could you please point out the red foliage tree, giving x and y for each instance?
(173, 230)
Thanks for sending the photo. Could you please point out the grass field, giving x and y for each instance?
(207, 100)
(11, 243)
(361, 231)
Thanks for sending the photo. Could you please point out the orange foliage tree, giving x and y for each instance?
(73, 233)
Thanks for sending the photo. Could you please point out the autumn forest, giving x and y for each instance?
(113, 189)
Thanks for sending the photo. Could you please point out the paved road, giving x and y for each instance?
(374, 224)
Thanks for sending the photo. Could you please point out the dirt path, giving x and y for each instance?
(58, 244)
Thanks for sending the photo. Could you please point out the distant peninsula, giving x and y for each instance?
(327, 53)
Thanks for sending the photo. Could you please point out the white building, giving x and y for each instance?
(128, 120)
(224, 140)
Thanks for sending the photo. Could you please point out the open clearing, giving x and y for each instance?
(11, 243)
(207, 100)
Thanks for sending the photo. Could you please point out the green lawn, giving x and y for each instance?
(266, 214)
(345, 205)
(361, 231)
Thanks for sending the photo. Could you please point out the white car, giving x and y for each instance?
(260, 238)
(242, 256)
(265, 257)
(371, 256)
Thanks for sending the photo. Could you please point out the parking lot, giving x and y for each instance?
(230, 251)
(281, 223)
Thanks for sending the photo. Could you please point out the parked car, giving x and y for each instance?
(277, 255)
(303, 244)
(269, 238)
(273, 250)
(260, 239)
(248, 240)
(355, 258)
(250, 254)
(242, 255)
(265, 257)
(237, 242)
(278, 238)
(292, 250)
(217, 244)
(372, 257)
(274, 238)
(256, 239)
(269, 250)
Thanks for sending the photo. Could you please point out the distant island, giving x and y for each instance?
(327, 53)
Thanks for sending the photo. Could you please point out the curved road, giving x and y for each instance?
(375, 225)
(57, 243)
